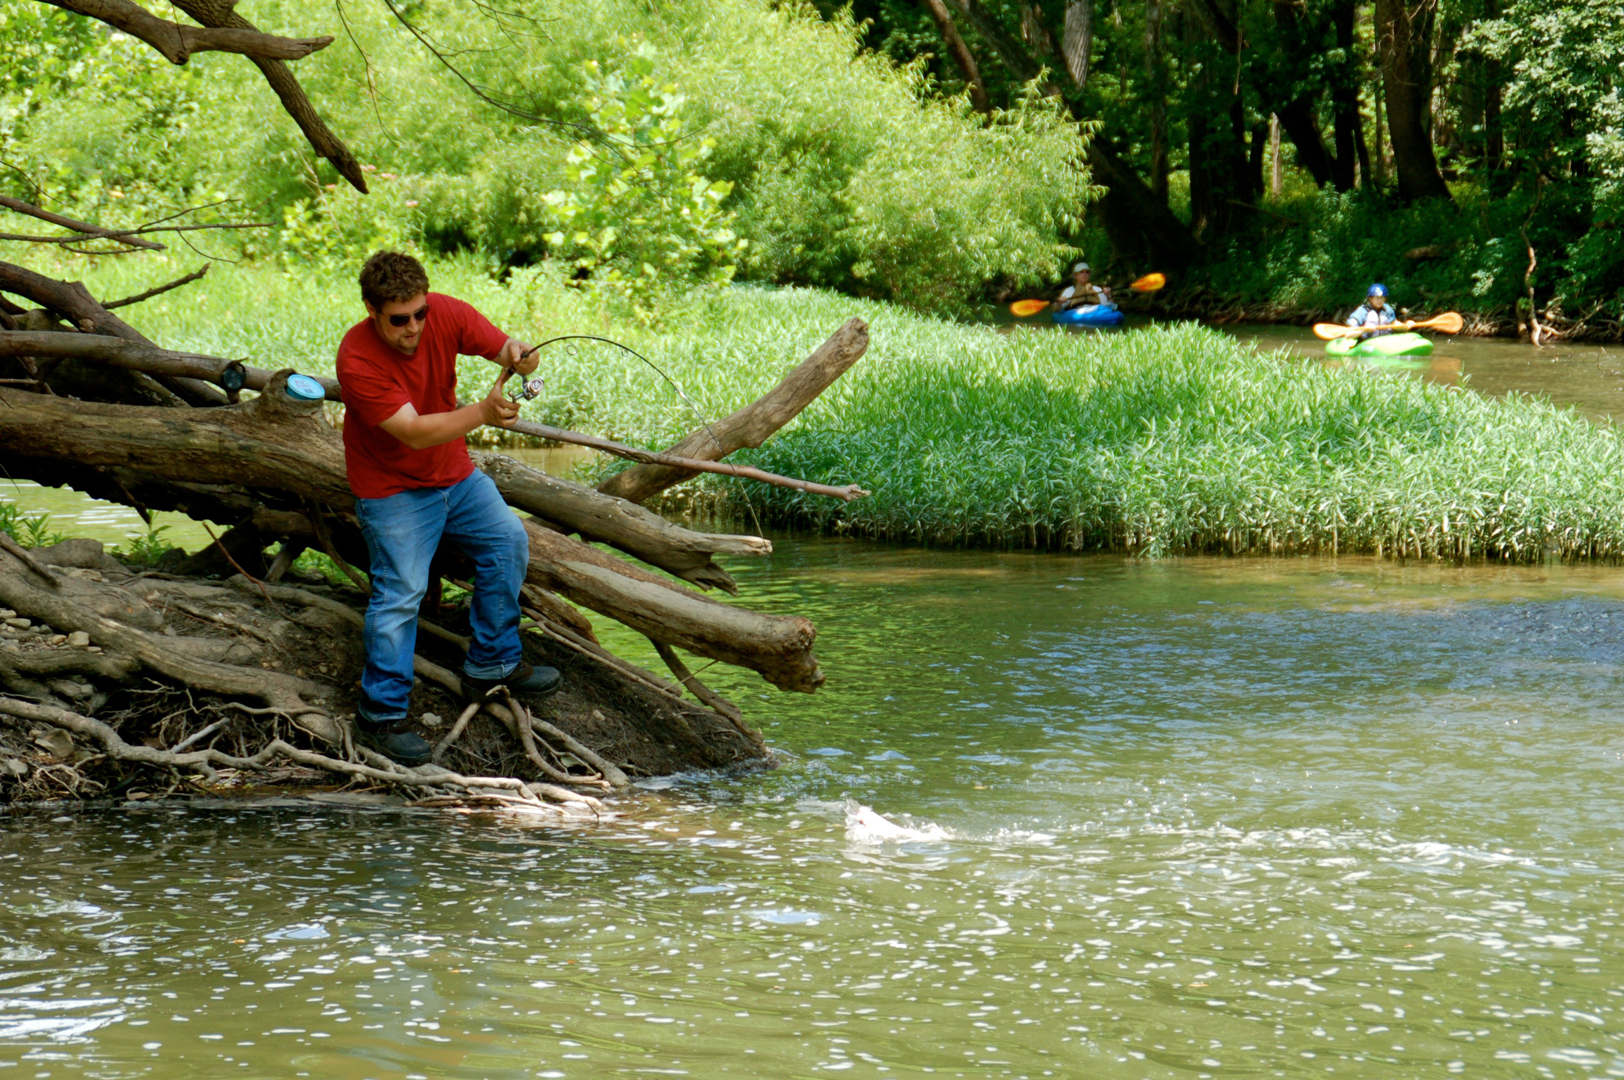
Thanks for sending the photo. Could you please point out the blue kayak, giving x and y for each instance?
(1090, 315)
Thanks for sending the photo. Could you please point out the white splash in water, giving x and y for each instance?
(865, 826)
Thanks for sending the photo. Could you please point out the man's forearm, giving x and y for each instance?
(422, 432)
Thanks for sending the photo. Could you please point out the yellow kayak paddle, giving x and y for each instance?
(1449, 322)
(1148, 283)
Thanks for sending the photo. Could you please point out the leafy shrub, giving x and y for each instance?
(634, 213)
(29, 530)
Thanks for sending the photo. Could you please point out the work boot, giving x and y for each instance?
(525, 682)
(393, 739)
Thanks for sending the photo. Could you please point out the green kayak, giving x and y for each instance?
(1381, 345)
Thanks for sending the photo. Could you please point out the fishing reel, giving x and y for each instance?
(529, 389)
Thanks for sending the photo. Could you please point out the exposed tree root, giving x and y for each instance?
(178, 685)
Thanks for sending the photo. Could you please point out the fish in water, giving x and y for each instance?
(865, 826)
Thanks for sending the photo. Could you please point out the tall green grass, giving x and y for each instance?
(1156, 441)
(1180, 440)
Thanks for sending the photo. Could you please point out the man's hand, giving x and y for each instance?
(511, 354)
(497, 410)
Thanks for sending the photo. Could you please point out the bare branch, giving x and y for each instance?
(150, 293)
(82, 227)
(125, 237)
(584, 130)
(177, 42)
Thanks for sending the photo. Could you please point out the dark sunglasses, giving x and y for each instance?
(420, 315)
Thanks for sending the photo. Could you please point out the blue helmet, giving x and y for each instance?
(1378, 289)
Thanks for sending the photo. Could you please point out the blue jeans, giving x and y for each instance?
(402, 533)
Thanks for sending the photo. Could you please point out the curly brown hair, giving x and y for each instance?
(390, 277)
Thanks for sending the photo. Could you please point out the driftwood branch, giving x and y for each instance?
(681, 466)
(74, 302)
(778, 647)
(177, 42)
(134, 355)
(750, 426)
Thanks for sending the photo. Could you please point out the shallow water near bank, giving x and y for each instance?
(1585, 376)
(1588, 377)
(1192, 817)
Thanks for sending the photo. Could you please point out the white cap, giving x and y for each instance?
(1080, 267)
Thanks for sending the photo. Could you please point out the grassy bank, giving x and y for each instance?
(1157, 441)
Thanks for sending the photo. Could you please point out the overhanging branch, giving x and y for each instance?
(177, 42)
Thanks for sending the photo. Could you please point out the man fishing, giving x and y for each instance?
(1082, 291)
(1373, 313)
(414, 485)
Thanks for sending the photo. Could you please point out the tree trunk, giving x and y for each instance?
(279, 446)
(1140, 226)
(1156, 90)
(1077, 40)
(1344, 99)
(1494, 147)
(1276, 177)
(1257, 149)
(1380, 156)
(962, 56)
(1404, 36)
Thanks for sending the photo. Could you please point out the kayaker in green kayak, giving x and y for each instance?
(1373, 313)
(1082, 291)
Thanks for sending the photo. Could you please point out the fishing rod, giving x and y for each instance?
(534, 386)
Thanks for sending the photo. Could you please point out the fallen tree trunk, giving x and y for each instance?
(624, 525)
(755, 423)
(779, 648)
(282, 445)
(275, 441)
(229, 375)
(73, 301)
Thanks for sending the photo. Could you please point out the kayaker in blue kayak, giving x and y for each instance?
(1373, 313)
(1082, 292)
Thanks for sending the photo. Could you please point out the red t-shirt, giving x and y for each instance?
(377, 379)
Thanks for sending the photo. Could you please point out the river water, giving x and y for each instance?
(1587, 377)
(1051, 816)
(1197, 817)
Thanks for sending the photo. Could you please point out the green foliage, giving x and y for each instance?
(1315, 255)
(29, 530)
(148, 550)
(1563, 103)
(314, 563)
(634, 213)
(636, 157)
(850, 174)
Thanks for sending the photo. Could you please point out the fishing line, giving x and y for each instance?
(693, 408)
(655, 367)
